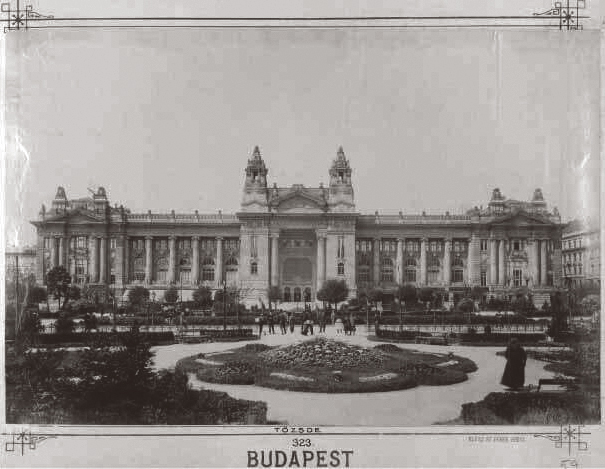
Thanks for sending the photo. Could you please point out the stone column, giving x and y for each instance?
(321, 260)
(533, 260)
(54, 261)
(399, 263)
(218, 273)
(119, 262)
(40, 261)
(376, 266)
(501, 263)
(423, 244)
(148, 259)
(274, 259)
(171, 259)
(557, 262)
(543, 263)
(447, 262)
(94, 259)
(103, 260)
(62, 252)
(195, 261)
(493, 266)
(473, 275)
(126, 260)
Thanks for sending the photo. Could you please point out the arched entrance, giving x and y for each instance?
(297, 295)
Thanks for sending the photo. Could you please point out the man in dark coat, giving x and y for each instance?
(514, 371)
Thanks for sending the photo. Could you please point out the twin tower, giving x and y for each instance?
(260, 198)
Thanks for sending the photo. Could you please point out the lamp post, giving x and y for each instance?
(153, 308)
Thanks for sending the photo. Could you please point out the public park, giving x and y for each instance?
(410, 359)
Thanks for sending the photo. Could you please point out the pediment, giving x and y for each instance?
(521, 219)
(77, 217)
(300, 203)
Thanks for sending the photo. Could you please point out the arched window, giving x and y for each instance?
(410, 275)
(253, 268)
(297, 294)
(307, 294)
(341, 268)
(386, 273)
(287, 296)
(410, 262)
(458, 262)
(208, 270)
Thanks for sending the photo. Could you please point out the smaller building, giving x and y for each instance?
(581, 254)
(20, 261)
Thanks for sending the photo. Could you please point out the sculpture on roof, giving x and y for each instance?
(60, 193)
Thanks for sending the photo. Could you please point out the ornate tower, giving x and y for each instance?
(341, 198)
(255, 188)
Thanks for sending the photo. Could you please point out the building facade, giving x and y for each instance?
(297, 237)
(581, 254)
(21, 262)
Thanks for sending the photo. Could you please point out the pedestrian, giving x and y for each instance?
(309, 325)
(261, 322)
(322, 321)
(347, 326)
(282, 322)
(339, 325)
(514, 371)
(271, 323)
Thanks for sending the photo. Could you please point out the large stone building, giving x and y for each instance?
(297, 237)
(581, 254)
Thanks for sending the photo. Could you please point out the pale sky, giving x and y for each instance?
(429, 119)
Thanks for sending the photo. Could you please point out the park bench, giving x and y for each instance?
(566, 382)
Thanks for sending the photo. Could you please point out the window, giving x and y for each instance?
(184, 244)
(435, 246)
(363, 273)
(516, 245)
(113, 243)
(410, 262)
(483, 245)
(81, 242)
(80, 267)
(433, 276)
(458, 262)
(297, 294)
(307, 295)
(410, 275)
(253, 249)
(112, 279)
(208, 270)
(386, 274)
(457, 246)
(253, 268)
(483, 278)
(458, 276)
(139, 269)
(412, 246)
(287, 294)
(341, 248)
(517, 280)
(185, 276)
(341, 268)
(580, 268)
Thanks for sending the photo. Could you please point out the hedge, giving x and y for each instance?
(154, 338)
(226, 334)
(501, 338)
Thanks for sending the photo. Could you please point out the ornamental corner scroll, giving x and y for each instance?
(20, 441)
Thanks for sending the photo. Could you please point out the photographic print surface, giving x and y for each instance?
(287, 234)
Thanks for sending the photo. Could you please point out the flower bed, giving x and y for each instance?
(324, 365)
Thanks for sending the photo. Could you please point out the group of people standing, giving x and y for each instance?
(287, 321)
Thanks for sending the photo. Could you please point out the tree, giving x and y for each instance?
(29, 328)
(407, 294)
(274, 295)
(57, 282)
(202, 297)
(558, 310)
(466, 305)
(171, 295)
(375, 296)
(64, 324)
(138, 296)
(335, 291)
(90, 322)
(36, 295)
(425, 295)
(73, 293)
